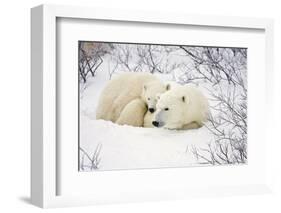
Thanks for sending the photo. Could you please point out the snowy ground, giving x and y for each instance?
(126, 147)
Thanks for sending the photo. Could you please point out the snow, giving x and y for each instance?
(127, 147)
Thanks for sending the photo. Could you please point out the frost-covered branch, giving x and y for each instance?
(94, 159)
(217, 65)
(90, 58)
(224, 70)
(143, 58)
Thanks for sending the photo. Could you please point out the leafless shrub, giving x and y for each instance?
(229, 127)
(225, 69)
(143, 58)
(90, 58)
(94, 159)
(217, 64)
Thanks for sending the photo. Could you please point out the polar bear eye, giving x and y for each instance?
(148, 99)
(166, 109)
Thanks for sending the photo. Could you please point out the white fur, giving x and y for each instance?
(148, 118)
(182, 107)
(133, 113)
(139, 88)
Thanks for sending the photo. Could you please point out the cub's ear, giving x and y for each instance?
(168, 87)
(158, 96)
(144, 87)
(185, 99)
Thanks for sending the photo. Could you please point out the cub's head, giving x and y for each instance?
(151, 92)
(170, 111)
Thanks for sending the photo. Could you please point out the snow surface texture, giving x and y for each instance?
(108, 146)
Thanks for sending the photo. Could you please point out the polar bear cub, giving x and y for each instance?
(133, 114)
(182, 107)
(126, 98)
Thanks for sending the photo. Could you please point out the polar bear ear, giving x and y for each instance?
(144, 87)
(184, 99)
(158, 96)
(168, 87)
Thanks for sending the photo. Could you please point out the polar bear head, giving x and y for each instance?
(171, 108)
(151, 92)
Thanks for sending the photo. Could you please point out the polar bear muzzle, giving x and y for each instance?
(158, 123)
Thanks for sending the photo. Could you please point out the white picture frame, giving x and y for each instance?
(44, 154)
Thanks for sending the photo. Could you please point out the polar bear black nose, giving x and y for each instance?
(151, 110)
(155, 123)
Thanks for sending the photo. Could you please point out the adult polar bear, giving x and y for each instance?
(127, 97)
(182, 107)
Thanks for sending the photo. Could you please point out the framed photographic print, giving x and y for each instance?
(130, 106)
